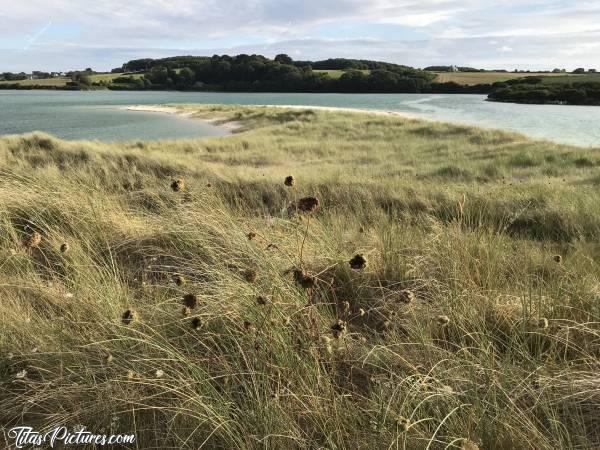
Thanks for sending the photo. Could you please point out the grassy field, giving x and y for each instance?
(573, 78)
(472, 78)
(109, 77)
(57, 81)
(220, 311)
(62, 81)
(335, 74)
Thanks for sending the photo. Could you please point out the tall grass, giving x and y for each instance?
(474, 323)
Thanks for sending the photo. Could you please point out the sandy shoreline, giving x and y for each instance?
(223, 123)
(236, 125)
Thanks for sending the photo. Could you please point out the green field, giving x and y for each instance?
(472, 78)
(57, 81)
(62, 81)
(221, 312)
(335, 74)
(573, 78)
(109, 77)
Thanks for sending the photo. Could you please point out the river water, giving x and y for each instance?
(100, 114)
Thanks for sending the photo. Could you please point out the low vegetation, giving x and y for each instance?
(316, 280)
(570, 90)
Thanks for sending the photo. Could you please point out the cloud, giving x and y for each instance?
(485, 33)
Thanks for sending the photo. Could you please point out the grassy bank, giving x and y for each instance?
(214, 313)
(473, 78)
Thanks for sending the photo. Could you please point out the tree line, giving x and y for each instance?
(534, 91)
(257, 73)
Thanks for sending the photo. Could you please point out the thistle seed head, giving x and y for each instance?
(178, 185)
(358, 262)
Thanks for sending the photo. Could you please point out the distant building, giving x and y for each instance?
(453, 69)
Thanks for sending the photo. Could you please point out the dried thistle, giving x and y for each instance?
(178, 185)
(358, 262)
(303, 279)
(557, 259)
(250, 275)
(64, 248)
(190, 300)
(289, 181)
(196, 323)
(467, 444)
(338, 328)
(308, 204)
(406, 296)
(33, 240)
(251, 236)
(542, 323)
(127, 317)
(261, 301)
(179, 280)
(442, 320)
(403, 423)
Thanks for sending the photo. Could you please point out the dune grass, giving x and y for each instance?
(213, 313)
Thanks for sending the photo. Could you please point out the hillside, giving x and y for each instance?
(413, 285)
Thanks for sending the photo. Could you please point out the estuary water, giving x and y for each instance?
(100, 114)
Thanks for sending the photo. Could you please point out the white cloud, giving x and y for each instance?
(492, 33)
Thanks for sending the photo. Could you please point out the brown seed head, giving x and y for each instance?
(406, 296)
(178, 185)
(467, 444)
(179, 280)
(33, 240)
(358, 262)
(442, 320)
(196, 323)
(557, 259)
(127, 317)
(303, 279)
(251, 236)
(190, 300)
(64, 248)
(403, 423)
(308, 204)
(542, 323)
(338, 328)
(289, 181)
(261, 301)
(250, 275)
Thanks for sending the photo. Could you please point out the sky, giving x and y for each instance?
(56, 35)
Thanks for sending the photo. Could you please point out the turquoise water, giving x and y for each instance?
(98, 115)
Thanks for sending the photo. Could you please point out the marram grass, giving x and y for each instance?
(444, 294)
